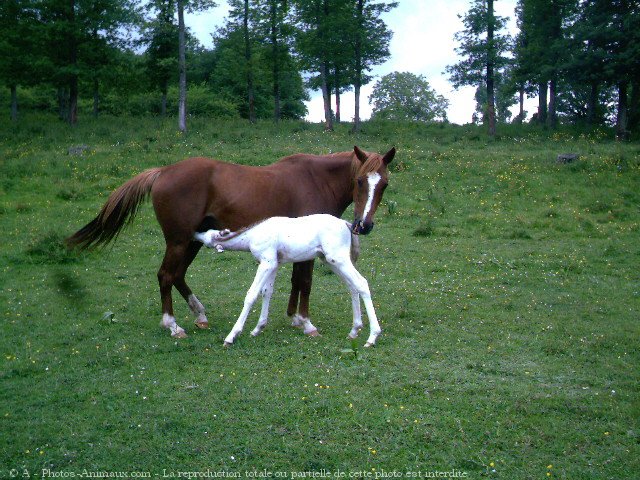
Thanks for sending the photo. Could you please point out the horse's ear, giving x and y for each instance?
(389, 156)
(360, 154)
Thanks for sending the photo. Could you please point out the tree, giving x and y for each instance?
(168, 47)
(483, 50)
(73, 30)
(405, 96)
(371, 45)
(274, 27)
(18, 47)
(242, 18)
(190, 6)
(542, 49)
(227, 74)
(161, 58)
(312, 44)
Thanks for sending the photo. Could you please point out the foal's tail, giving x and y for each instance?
(118, 211)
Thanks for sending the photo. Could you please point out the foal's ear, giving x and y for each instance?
(389, 156)
(360, 154)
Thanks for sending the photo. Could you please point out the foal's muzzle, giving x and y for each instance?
(358, 227)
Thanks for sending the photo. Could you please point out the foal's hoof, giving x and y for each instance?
(314, 333)
(227, 344)
(369, 344)
(202, 325)
(179, 334)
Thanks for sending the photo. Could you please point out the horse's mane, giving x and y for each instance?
(373, 164)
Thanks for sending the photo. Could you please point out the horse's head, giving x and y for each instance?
(370, 181)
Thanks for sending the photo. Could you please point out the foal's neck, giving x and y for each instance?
(238, 242)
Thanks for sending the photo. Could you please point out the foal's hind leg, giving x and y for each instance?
(265, 270)
(267, 291)
(194, 304)
(166, 277)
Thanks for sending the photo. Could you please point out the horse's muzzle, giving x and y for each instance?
(358, 227)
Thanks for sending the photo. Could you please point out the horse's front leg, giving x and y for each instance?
(265, 270)
(267, 291)
(301, 285)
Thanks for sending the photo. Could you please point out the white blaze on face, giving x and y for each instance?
(372, 179)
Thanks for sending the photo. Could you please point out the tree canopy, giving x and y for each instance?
(405, 96)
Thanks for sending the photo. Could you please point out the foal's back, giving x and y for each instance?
(303, 238)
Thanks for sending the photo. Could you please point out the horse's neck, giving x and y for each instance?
(340, 179)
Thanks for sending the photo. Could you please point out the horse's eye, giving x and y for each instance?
(360, 182)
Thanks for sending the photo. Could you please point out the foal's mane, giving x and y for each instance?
(240, 231)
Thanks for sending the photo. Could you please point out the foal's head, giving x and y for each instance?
(371, 178)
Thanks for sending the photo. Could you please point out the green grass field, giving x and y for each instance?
(508, 288)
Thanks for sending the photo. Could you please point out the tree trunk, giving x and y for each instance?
(634, 106)
(14, 103)
(247, 57)
(521, 106)
(622, 133)
(73, 63)
(551, 116)
(63, 104)
(491, 101)
(275, 52)
(337, 82)
(182, 67)
(163, 101)
(592, 104)
(542, 103)
(326, 96)
(96, 98)
(358, 80)
(73, 100)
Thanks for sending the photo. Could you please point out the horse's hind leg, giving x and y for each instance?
(173, 257)
(301, 286)
(181, 285)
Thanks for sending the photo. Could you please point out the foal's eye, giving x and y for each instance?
(360, 182)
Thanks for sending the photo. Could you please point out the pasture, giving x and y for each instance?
(507, 286)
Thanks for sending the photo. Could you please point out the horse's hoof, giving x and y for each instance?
(202, 325)
(314, 333)
(181, 334)
(368, 344)
(227, 344)
(351, 337)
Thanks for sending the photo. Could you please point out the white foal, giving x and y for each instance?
(279, 240)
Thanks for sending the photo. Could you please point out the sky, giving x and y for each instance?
(422, 44)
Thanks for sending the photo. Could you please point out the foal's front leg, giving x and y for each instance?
(265, 270)
(358, 284)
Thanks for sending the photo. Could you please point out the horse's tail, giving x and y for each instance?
(118, 211)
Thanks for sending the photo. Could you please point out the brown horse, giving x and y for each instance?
(198, 194)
